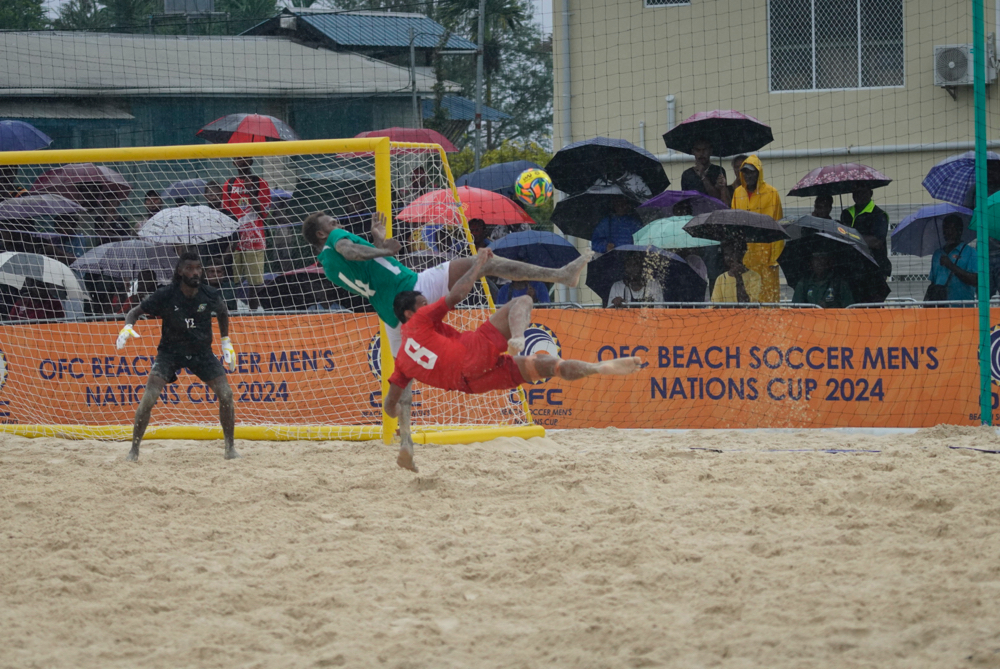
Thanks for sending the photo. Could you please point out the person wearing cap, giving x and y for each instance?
(873, 225)
(755, 194)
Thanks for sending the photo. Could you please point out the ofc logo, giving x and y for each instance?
(995, 354)
(375, 356)
(540, 339)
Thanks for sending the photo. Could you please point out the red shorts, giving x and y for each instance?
(487, 368)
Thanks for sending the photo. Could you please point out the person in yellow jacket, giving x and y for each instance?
(755, 194)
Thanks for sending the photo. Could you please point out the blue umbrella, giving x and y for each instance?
(498, 178)
(545, 249)
(680, 281)
(184, 189)
(922, 233)
(21, 136)
(953, 178)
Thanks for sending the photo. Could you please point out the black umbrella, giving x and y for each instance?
(580, 165)
(579, 214)
(680, 282)
(852, 258)
(729, 132)
(720, 225)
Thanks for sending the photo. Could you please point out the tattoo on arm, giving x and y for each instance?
(356, 252)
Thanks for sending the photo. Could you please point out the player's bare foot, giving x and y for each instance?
(133, 455)
(572, 271)
(619, 366)
(231, 454)
(405, 459)
(515, 345)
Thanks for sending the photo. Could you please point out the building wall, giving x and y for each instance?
(713, 54)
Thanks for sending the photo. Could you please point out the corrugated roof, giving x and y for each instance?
(98, 64)
(381, 29)
(462, 109)
(35, 109)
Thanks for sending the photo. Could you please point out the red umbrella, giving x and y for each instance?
(439, 207)
(83, 183)
(839, 180)
(415, 135)
(245, 128)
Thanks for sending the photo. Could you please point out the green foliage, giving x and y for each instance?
(22, 15)
(245, 14)
(82, 15)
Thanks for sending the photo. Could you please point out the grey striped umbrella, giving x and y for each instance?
(16, 267)
(125, 259)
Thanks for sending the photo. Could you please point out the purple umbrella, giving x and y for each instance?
(839, 180)
(21, 136)
(125, 259)
(922, 233)
(953, 178)
(183, 189)
(30, 206)
(662, 206)
(85, 183)
(729, 132)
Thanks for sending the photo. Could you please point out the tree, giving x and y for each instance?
(22, 15)
(82, 15)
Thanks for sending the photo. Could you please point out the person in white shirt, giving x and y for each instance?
(637, 287)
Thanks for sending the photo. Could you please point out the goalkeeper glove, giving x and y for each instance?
(126, 334)
(228, 354)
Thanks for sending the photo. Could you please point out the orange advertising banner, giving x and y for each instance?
(712, 368)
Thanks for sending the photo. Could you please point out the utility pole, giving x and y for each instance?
(479, 83)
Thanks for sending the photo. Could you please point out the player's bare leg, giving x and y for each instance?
(512, 320)
(515, 270)
(547, 366)
(227, 413)
(154, 386)
(405, 457)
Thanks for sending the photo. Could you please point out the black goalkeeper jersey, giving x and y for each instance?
(187, 321)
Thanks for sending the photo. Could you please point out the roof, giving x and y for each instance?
(99, 64)
(461, 109)
(36, 109)
(373, 29)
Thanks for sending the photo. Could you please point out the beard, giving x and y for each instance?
(191, 281)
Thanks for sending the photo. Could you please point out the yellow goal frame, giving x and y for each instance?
(381, 148)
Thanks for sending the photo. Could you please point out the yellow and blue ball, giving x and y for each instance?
(533, 188)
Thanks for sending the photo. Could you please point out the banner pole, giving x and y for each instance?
(982, 225)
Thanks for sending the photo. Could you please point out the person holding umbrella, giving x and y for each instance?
(737, 284)
(822, 286)
(705, 177)
(637, 286)
(247, 198)
(755, 194)
(618, 228)
(873, 224)
(953, 273)
(823, 207)
(9, 188)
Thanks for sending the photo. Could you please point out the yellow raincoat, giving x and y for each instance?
(762, 258)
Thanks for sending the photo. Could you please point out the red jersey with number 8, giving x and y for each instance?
(438, 355)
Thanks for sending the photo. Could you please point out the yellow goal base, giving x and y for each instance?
(427, 435)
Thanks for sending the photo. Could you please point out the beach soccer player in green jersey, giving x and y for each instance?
(372, 271)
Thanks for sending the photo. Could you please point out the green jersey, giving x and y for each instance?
(379, 280)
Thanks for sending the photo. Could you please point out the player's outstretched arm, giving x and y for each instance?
(128, 332)
(378, 229)
(464, 285)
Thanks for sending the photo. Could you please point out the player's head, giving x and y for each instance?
(188, 270)
(407, 303)
(318, 226)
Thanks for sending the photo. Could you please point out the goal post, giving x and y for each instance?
(308, 370)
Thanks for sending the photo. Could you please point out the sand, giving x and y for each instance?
(591, 548)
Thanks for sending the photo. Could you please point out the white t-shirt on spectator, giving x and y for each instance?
(651, 292)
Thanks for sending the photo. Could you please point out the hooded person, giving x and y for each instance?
(755, 194)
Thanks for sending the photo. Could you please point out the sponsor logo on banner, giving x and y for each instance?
(375, 356)
(995, 354)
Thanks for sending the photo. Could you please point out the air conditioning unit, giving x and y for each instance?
(953, 64)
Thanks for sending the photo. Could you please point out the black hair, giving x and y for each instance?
(151, 193)
(405, 301)
(824, 198)
(186, 256)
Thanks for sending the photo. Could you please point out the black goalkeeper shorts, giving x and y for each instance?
(203, 365)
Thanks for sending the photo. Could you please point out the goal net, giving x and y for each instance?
(98, 230)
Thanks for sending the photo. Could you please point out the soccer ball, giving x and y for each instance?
(533, 188)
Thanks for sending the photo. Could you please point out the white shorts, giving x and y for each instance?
(433, 283)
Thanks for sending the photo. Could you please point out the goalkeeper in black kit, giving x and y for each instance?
(186, 307)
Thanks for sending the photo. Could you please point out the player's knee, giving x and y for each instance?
(225, 394)
(524, 300)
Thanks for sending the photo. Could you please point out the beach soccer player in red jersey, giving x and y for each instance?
(472, 362)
